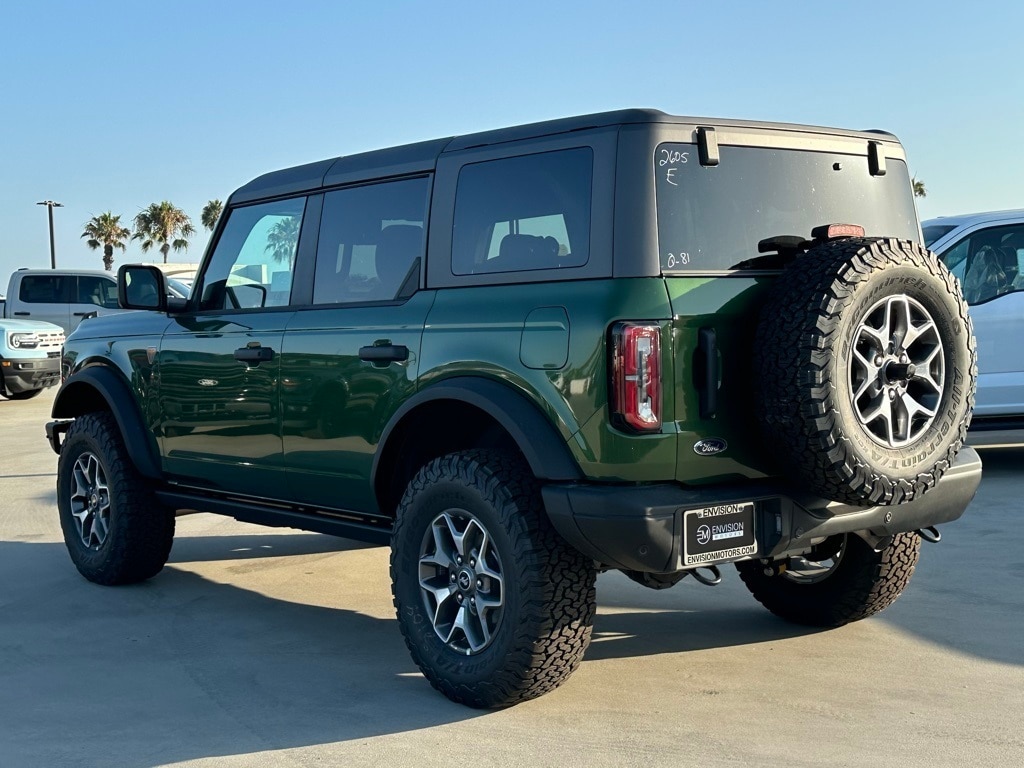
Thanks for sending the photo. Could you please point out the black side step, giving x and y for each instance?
(373, 530)
(992, 423)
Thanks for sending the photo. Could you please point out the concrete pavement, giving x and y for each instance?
(271, 647)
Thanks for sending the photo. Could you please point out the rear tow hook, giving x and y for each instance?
(930, 534)
(713, 579)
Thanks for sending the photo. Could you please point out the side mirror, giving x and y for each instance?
(246, 295)
(141, 286)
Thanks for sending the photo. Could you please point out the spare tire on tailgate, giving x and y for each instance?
(867, 367)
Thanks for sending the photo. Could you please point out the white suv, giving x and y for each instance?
(986, 252)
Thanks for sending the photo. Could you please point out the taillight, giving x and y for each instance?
(636, 376)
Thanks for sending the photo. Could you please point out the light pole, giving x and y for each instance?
(50, 205)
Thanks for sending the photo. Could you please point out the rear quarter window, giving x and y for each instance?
(523, 213)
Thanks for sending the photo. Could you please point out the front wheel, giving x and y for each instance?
(115, 530)
(841, 580)
(494, 606)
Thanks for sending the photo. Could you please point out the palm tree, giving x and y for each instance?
(106, 230)
(282, 239)
(211, 212)
(165, 226)
(919, 190)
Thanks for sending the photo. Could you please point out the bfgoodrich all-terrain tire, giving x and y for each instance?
(866, 365)
(115, 530)
(852, 583)
(495, 607)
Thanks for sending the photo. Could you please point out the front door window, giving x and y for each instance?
(255, 257)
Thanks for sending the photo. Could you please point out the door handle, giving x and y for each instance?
(255, 355)
(23, 314)
(705, 372)
(94, 313)
(384, 353)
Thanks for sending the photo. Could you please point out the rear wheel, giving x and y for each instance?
(839, 581)
(115, 530)
(494, 606)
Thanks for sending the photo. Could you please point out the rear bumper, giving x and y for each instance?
(640, 528)
(26, 375)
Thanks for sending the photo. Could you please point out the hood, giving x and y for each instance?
(121, 325)
(9, 324)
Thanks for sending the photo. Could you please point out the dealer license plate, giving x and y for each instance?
(717, 534)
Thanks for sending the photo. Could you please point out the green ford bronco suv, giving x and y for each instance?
(622, 341)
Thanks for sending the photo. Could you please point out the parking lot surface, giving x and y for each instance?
(273, 647)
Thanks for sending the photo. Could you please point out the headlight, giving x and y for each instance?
(24, 341)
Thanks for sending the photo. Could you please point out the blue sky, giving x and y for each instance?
(115, 105)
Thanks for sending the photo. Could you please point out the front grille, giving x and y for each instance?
(52, 355)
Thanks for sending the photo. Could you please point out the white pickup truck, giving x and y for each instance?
(65, 297)
(61, 297)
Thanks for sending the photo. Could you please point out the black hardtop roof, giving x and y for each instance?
(422, 156)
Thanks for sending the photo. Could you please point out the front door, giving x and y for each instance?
(95, 295)
(219, 365)
(990, 265)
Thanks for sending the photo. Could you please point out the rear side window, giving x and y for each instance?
(253, 262)
(372, 240)
(523, 213)
(934, 232)
(711, 218)
(46, 289)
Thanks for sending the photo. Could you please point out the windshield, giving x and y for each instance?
(712, 218)
(934, 232)
(177, 288)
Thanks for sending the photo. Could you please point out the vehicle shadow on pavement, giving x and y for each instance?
(195, 549)
(643, 634)
(182, 667)
(968, 591)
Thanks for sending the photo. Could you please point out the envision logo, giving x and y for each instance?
(709, 446)
(703, 534)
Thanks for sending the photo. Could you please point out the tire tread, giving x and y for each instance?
(558, 583)
(142, 530)
(796, 338)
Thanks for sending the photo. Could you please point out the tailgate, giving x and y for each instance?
(714, 388)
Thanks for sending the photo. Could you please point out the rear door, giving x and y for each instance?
(350, 359)
(219, 365)
(44, 297)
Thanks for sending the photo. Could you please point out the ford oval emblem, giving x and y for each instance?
(709, 446)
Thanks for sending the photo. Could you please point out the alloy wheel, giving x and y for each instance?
(897, 373)
(90, 501)
(461, 581)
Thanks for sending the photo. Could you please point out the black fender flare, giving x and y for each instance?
(78, 395)
(543, 447)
